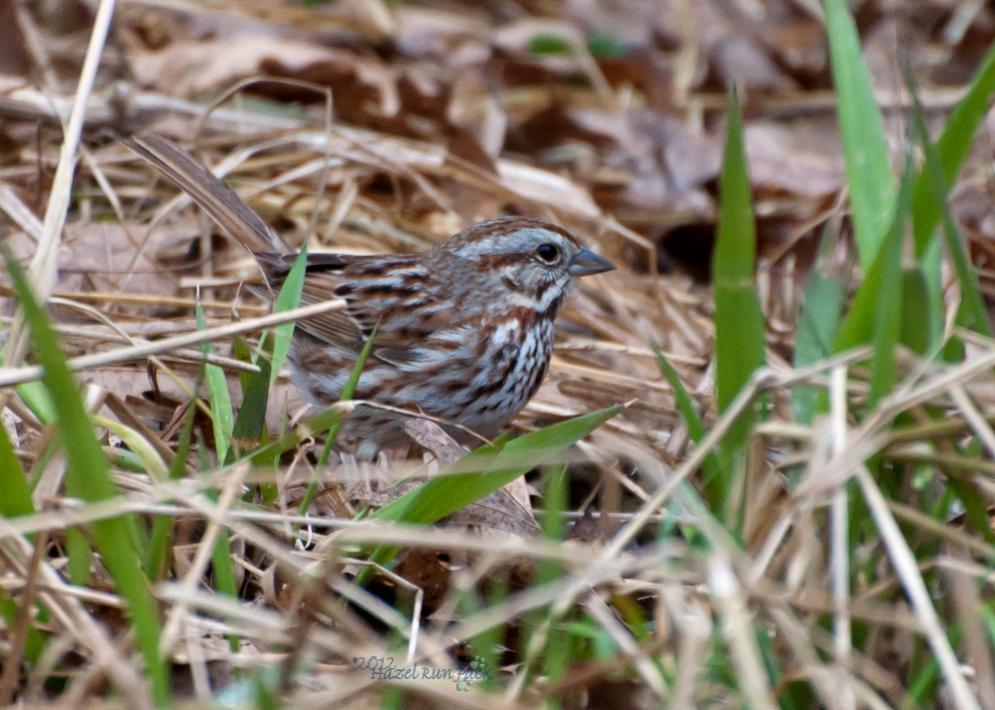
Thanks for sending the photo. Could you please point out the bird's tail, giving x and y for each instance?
(221, 203)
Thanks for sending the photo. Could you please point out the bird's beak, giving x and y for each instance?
(586, 262)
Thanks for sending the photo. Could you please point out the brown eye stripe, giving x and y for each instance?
(493, 262)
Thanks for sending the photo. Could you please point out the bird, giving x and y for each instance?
(463, 332)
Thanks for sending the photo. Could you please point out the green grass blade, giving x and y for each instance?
(888, 299)
(251, 419)
(481, 475)
(145, 455)
(739, 322)
(162, 525)
(952, 149)
(79, 556)
(818, 321)
(222, 416)
(917, 318)
(875, 316)
(15, 500)
(554, 654)
(347, 393)
(888, 320)
(682, 398)
(89, 474)
(288, 299)
(690, 416)
(315, 425)
(554, 503)
(36, 398)
(15, 491)
(224, 577)
(973, 312)
(869, 175)
(970, 495)
(34, 643)
(740, 334)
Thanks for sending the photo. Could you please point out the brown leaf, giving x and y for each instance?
(803, 158)
(729, 39)
(186, 68)
(110, 256)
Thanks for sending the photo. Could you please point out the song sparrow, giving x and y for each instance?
(464, 330)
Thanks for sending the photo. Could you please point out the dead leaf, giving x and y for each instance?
(186, 68)
(800, 159)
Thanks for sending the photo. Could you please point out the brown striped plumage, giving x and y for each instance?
(464, 330)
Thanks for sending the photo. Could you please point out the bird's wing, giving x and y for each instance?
(344, 276)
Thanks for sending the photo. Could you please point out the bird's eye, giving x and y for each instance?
(549, 253)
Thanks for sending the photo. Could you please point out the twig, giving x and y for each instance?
(16, 376)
